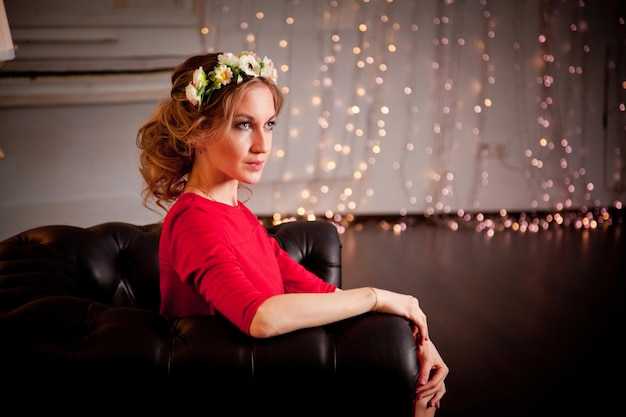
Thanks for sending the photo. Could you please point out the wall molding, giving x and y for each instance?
(53, 90)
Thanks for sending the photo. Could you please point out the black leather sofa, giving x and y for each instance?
(80, 324)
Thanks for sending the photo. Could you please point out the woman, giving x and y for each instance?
(213, 135)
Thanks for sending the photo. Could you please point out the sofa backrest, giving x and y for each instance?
(116, 263)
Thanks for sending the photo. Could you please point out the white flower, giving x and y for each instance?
(268, 70)
(228, 59)
(199, 78)
(249, 65)
(192, 94)
(223, 74)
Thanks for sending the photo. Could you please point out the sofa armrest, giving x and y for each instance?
(367, 363)
(377, 365)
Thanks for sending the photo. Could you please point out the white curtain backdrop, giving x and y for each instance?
(436, 106)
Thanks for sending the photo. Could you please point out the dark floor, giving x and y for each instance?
(530, 324)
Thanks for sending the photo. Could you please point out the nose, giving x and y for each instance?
(261, 141)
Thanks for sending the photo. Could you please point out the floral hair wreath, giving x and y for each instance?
(230, 67)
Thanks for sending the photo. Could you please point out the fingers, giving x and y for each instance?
(435, 382)
(420, 335)
(431, 376)
(437, 392)
(418, 317)
(424, 375)
(435, 388)
(435, 401)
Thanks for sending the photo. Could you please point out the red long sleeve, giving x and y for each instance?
(214, 257)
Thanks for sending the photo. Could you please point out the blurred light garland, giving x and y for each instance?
(487, 223)
(374, 44)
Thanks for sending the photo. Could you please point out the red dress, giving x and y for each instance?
(217, 258)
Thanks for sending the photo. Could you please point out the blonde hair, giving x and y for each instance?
(168, 138)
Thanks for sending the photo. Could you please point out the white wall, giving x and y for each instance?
(86, 76)
(69, 139)
(82, 176)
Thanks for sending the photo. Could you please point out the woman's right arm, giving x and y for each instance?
(288, 312)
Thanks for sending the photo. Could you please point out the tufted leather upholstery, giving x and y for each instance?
(79, 314)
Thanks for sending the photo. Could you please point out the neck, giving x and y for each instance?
(217, 197)
(202, 191)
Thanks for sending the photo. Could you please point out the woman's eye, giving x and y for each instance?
(244, 125)
(270, 125)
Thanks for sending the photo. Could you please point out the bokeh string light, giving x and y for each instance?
(435, 109)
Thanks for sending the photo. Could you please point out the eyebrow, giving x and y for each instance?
(249, 117)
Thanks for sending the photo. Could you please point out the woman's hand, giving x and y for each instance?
(433, 371)
(405, 306)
